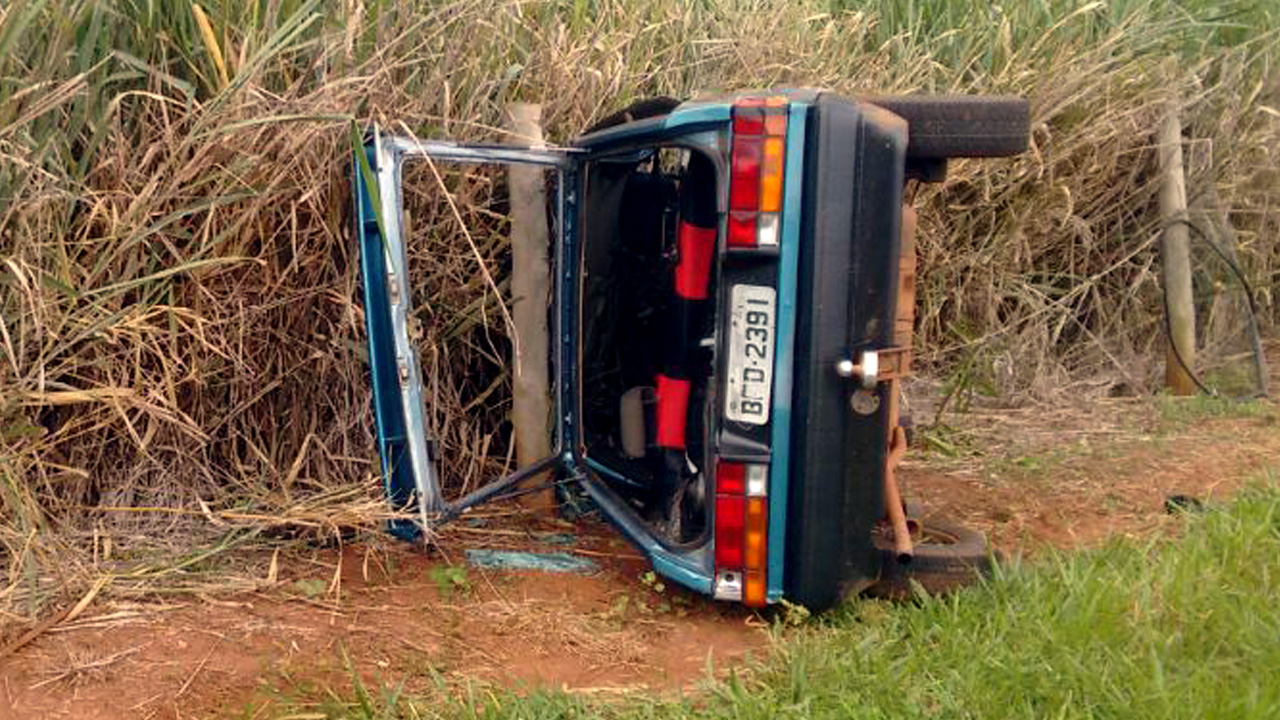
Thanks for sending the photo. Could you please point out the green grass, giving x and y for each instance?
(1184, 627)
(1183, 411)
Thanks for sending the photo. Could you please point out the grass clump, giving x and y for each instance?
(1183, 627)
(1182, 411)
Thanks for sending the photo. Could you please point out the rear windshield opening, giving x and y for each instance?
(456, 220)
(648, 331)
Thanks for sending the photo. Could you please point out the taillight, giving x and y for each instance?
(731, 479)
(748, 116)
(742, 229)
(741, 532)
(756, 168)
(744, 173)
(731, 530)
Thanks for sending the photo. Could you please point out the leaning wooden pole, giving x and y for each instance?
(1180, 357)
(530, 288)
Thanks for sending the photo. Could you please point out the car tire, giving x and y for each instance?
(638, 110)
(951, 556)
(950, 126)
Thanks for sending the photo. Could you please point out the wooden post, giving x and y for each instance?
(1176, 258)
(530, 290)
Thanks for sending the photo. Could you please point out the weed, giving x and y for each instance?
(450, 580)
(946, 441)
(1032, 469)
(1183, 411)
(310, 588)
(651, 580)
(366, 705)
(793, 615)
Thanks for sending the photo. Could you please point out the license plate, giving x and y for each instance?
(751, 334)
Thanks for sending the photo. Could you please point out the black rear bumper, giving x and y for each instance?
(847, 292)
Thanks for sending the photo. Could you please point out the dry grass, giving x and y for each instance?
(179, 317)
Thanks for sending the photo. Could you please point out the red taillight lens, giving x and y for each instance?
(748, 120)
(744, 179)
(731, 527)
(742, 229)
(731, 478)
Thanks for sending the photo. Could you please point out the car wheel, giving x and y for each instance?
(947, 126)
(948, 556)
(638, 110)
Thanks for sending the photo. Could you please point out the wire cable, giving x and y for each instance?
(1259, 358)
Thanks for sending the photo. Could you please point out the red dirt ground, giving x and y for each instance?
(610, 632)
(1065, 479)
(1094, 486)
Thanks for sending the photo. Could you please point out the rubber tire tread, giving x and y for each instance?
(937, 568)
(638, 110)
(950, 126)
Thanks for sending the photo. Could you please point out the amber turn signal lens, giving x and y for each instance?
(753, 590)
(771, 176)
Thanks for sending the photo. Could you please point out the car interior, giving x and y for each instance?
(644, 332)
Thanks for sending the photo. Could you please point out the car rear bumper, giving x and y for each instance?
(845, 303)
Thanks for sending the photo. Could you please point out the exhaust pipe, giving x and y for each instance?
(902, 546)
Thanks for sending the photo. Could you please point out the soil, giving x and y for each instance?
(1072, 487)
(397, 614)
(1031, 478)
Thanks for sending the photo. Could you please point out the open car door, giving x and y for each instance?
(407, 452)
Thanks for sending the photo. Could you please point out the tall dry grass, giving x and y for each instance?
(179, 314)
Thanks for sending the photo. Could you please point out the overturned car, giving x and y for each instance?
(731, 316)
